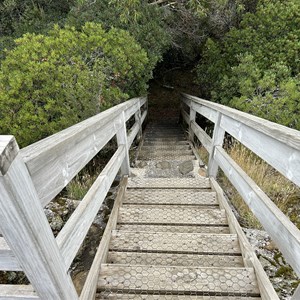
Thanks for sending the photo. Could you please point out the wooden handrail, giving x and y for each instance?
(276, 144)
(33, 176)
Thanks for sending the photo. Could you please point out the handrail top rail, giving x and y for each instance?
(279, 132)
(32, 151)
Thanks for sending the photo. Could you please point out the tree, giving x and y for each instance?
(255, 67)
(50, 82)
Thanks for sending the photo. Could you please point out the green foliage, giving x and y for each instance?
(50, 82)
(144, 22)
(255, 68)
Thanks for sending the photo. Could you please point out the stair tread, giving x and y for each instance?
(173, 228)
(174, 259)
(176, 279)
(168, 242)
(138, 182)
(170, 196)
(114, 296)
(171, 215)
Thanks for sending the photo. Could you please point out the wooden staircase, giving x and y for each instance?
(172, 239)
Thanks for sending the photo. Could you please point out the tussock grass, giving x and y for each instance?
(281, 191)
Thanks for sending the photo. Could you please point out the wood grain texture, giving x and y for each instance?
(90, 286)
(8, 261)
(8, 151)
(73, 233)
(203, 137)
(282, 231)
(250, 259)
(282, 156)
(284, 134)
(31, 238)
(21, 292)
(123, 141)
(54, 161)
(217, 141)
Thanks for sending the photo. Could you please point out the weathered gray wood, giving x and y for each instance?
(90, 286)
(8, 151)
(138, 120)
(250, 259)
(21, 292)
(144, 115)
(279, 132)
(185, 116)
(192, 119)
(27, 232)
(73, 233)
(282, 156)
(203, 137)
(261, 136)
(122, 141)
(133, 133)
(54, 161)
(284, 233)
(217, 140)
(8, 261)
(296, 295)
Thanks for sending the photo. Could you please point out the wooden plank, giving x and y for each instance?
(173, 228)
(173, 242)
(178, 280)
(133, 133)
(54, 161)
(21, 292)
(90, 285)
(73, 233)
(217, 140)
(203, 137)
(282, 156)
(134, 296)
(170, 196)
(296, 295)
(8, 261)
(279, 132)
(122, 141)
(250, 259)
(171, 215)
(144, 115)
(282, 231)
(185, 116)
(26, 230)
(174, 259)
(170, 183)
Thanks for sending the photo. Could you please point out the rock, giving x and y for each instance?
(141, 164)
(186, 167)
(164, 165)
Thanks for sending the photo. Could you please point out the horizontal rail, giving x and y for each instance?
(277, 145)
(54, 161)
(282, 231)
(267, 139)
(73, 233)
(8, 261)
(32, 177)
(21, 292)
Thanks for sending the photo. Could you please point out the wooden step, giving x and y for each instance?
(170, 196)
(169, 183)
(164, 143)
(114, 296)
(173, 242)
(174, 259)
(171, 215)
(173, 228)
(178, 280)
(166, 147)
(169, 155)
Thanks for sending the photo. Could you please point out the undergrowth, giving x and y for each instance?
(279, 189)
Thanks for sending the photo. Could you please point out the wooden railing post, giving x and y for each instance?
(122, 140)
(138, 120)
(192, 118)
(26, 229)
(217, 140)
(296, 295)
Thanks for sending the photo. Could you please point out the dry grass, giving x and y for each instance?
(280, 190)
